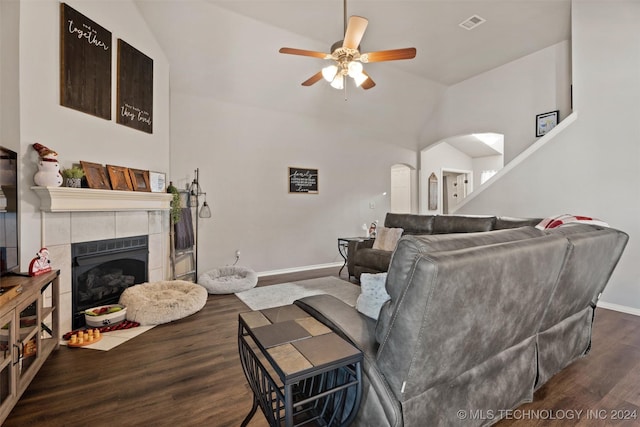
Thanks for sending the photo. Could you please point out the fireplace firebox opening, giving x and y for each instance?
(103, 269)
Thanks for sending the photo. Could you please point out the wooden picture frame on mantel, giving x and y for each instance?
(120, 179)
(140, 180)
(96, 177)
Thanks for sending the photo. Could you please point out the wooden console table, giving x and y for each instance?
(318, 375)
(29, 332)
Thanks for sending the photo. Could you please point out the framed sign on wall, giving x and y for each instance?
(547, 121)
(135, 88)
(85, 64)
(302, 180)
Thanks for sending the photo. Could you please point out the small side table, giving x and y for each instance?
(343, 248)
(318, 375)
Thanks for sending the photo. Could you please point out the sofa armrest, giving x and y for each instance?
(352, 248)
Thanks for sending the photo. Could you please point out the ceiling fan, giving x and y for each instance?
(347, 57)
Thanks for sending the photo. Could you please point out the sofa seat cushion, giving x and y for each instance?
(373, 259)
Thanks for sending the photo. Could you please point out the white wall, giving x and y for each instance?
(485, 163)
(9, 75)
(433, 160)
(244, 153)
(592, 167)
(74, 135)
(401, 189)
(506, 100)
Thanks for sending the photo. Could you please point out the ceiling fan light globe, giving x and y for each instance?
(329, 73)
(360, 78)
(355, 69)
(338, 83)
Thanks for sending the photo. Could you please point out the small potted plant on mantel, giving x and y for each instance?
(73, 176)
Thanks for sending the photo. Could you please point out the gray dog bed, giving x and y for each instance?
(228, 280)
(162, 302)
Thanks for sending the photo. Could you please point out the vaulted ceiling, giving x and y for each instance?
(228, 50)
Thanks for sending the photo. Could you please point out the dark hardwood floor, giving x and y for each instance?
(187, 373)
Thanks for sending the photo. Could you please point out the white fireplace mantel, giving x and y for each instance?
(66, 199)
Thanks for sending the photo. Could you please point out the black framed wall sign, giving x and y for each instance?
(303, 180)
(135, 88)
(85, 64)
(547, 121)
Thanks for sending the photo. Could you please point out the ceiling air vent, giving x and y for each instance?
(472, 22)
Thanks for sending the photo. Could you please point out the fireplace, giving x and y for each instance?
(102, 270)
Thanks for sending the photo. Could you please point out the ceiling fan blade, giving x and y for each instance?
(354, 32)
(389, 55)
(369, 83)
(302, 52)
(313, 79)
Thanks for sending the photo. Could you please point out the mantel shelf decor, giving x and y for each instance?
(66, 199)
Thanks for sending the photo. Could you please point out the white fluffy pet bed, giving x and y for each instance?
(162, 302)
(228, 280)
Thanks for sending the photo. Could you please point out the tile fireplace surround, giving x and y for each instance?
(73, 215)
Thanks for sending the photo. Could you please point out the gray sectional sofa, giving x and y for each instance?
(476, 321)
(363, 258)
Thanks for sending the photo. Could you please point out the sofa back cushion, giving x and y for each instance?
(595, 252)
(412, 224)
(462, 224)
(503, 222)
(401, 264)
(454, 310)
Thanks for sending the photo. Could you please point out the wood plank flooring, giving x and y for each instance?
(187, 373)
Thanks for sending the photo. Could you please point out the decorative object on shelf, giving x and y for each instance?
(135, 88)
(302, 180)
(547, 121)
(157, 182)
(48, 174)
(85, 64)
(73, 177)
(96, 176)
(120, 179)
(140, 180)
(40, 264)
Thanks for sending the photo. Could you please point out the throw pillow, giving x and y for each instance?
(373, 294)
(387, 238)
(558, 220)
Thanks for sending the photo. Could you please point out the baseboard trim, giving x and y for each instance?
(620, 308)
(299, 269)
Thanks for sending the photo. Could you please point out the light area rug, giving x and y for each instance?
(286, 293)
(114, 338)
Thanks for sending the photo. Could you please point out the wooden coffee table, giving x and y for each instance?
(298, 369)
